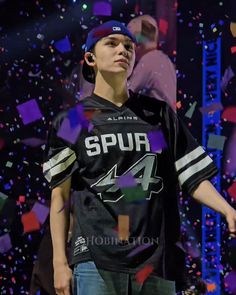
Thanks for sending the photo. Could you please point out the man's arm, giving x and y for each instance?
(209, 196)
(59, 225)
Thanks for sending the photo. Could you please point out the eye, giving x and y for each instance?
(111, 43)
(129, 47)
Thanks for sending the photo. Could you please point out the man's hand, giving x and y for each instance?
(62, 278)
(230, 216)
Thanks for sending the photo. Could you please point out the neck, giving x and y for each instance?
(114, 90)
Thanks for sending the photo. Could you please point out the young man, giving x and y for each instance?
(123, 154)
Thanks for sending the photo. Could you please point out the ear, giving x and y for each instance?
(89, 59)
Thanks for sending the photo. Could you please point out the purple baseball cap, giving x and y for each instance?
(108, 28)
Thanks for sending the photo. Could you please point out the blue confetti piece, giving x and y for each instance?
(63, 45)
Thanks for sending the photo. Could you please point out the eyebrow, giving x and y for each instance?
(115, 39)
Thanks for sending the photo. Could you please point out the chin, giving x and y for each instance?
(124, 73)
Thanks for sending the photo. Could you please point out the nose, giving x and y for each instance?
(122, 50)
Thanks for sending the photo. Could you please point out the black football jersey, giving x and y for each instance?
(114, 144)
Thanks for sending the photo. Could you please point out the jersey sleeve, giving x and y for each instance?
(60, 160)
(192, 164)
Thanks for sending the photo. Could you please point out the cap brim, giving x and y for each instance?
(88, 73)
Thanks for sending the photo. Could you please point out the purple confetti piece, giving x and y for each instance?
(41, 211)
(157, 141)
(90, 127)
(29, 111)
(67, 133)
(126, 180)
(230, 158)
(217, 106)
(102, 8)
(63, 45)
(5, 243)
(138, 250)
(82, 119)
(33, 141)
(230, 282)
(228, 75)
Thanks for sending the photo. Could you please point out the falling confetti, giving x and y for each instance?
(232, 191)
(123, 227)
(30, 222)
(157, 141)
(29, 111)
(216, 141)
(229, 114)
(5, 243)
(68, 133)
(191, 110)
(41, 212)
(143, 274)
(36, 60)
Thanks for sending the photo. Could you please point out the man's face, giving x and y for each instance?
(115, 54)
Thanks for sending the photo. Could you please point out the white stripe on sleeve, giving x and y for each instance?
(57, 159)
(184, 176)
(188, 158)
(60, 167)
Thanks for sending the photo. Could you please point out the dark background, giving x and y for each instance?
(21, 52)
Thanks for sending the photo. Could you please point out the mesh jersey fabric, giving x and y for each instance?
(118, 145)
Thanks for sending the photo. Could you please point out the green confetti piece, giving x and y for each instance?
(216, 142)
(3, 199)
(191, 110)
(134, 194)
(9, 164)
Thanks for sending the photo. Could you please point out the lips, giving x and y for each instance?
(122, 60)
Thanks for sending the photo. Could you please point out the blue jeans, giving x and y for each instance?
(88, 280)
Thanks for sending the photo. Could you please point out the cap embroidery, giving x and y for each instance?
(116, 29)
